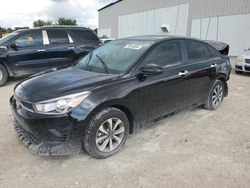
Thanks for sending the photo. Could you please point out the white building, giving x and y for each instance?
(223, 20)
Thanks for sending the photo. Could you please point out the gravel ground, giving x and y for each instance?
(196, 148)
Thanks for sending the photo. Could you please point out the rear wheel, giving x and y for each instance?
(3, 75)
(106, 133)
(216, 95)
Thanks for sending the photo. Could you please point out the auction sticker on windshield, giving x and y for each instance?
(133, 46)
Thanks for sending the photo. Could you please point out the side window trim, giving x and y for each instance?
(70, 39)
(45, 37)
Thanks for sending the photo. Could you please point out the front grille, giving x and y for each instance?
(238, 67)
(248, 61)
(26, 105)
(247, 68)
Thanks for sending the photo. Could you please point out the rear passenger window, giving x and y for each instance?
(57, 37)
(83, 36)
(165, 55)
(196, 51)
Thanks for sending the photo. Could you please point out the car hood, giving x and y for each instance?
(64, 82)
(246, 55)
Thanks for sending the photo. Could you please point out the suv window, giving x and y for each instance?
(33, 38)
(82, 36)
(196, 50)
(165, 55)
(57, 37)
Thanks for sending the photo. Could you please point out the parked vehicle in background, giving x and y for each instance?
(105, 39)
(116, 90)
(243, 62)
(28, 51)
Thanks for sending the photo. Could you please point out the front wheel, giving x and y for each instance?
(216, 95)
(106, 133)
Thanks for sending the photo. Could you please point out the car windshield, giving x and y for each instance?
(115, 57)
(8, 37)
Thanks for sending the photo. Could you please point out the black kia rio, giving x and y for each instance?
(116, 90)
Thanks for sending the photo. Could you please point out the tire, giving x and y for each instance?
(3, 75)
(216, 93)
(97, 136)
(238, 72)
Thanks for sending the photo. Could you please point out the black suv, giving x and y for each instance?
(117, 89)
(25, 52)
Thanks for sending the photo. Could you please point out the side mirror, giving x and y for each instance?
(247, 49)
(152, 69)
(13, 45)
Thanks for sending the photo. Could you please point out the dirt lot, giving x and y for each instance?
(197, 148)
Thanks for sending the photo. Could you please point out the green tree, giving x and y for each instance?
(66, 21)
(5, 30)
(40, 23)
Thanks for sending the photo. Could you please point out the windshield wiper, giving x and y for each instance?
(104, 64)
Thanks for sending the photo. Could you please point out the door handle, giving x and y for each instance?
(183, 73)
(213, 65)
(71, 48)
(41, 50)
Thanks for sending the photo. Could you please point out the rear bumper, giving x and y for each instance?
(47, 135)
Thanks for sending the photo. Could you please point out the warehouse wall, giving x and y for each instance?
(233, 29)
(108, 18)
(206, 19)
(150, 22)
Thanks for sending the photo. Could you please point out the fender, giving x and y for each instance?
(84, 114)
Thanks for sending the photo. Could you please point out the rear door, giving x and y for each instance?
(201, 67)
(60, 48)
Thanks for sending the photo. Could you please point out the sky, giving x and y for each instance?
(15, 13)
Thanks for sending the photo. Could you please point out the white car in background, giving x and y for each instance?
(243, 62)
(105, 39)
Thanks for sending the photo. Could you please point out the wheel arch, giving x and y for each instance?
(222, 77)
(115, 104)
(7, 68)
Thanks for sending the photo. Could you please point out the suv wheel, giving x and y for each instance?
(106, 133)
(216, 95)
(3, 75)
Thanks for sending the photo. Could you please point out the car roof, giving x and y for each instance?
(52, 27)
(157, 38)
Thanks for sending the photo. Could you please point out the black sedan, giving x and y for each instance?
(116, 90)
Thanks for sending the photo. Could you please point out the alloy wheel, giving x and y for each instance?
(110, 135)
(217, 95)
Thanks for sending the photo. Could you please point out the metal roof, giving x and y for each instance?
(109, 5)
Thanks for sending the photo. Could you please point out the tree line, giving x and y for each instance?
(60, 21)
(40, 23)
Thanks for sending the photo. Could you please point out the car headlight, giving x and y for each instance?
(60, 105)
(240, 59)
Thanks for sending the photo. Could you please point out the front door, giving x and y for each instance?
(28, 57)
(162, 94)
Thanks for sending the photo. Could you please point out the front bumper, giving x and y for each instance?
(47, 135)
(242, 66)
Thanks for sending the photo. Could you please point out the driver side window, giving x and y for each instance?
(33, 38)
(166, 54)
